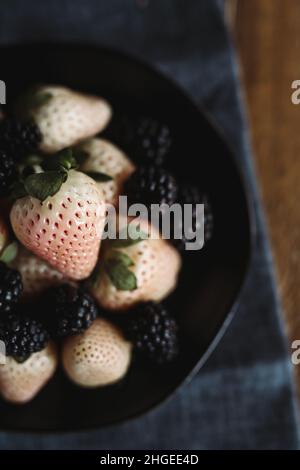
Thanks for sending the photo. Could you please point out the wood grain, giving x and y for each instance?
(267, 34)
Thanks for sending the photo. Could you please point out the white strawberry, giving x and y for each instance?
(104, 157)
(37, 275)
(98, 357)
(64, 229)
(65, 117)
(20, 382)
(144, 271)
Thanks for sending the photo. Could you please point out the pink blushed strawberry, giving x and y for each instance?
(99, 356)
(133, 271)
(105, 158)
(65, 228)
(64, 117)
(37, 275)
(21, 381)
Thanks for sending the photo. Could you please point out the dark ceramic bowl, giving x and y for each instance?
(211, 279)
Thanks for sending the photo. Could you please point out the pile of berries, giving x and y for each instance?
(54, 290)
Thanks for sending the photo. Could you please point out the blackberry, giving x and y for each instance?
(144, 138)
(7, 172)
(71, 310)
(189, 194)
(11, 288)
(152, 141)
(153, 332)
(151, 185)
(19, 138)
(22, 336)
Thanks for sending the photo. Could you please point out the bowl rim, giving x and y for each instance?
(251, 216)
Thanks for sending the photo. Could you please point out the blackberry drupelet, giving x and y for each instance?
(189, 194)
(19, 138)
(153, 332)
(71, 310)
(151, 185)
(7, 172)
(22, 336)
(152, 141)
(11, 288)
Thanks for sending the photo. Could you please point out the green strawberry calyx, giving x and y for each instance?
(116, 267)
(9, 253)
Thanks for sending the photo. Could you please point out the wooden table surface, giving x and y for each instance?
(267, 35)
